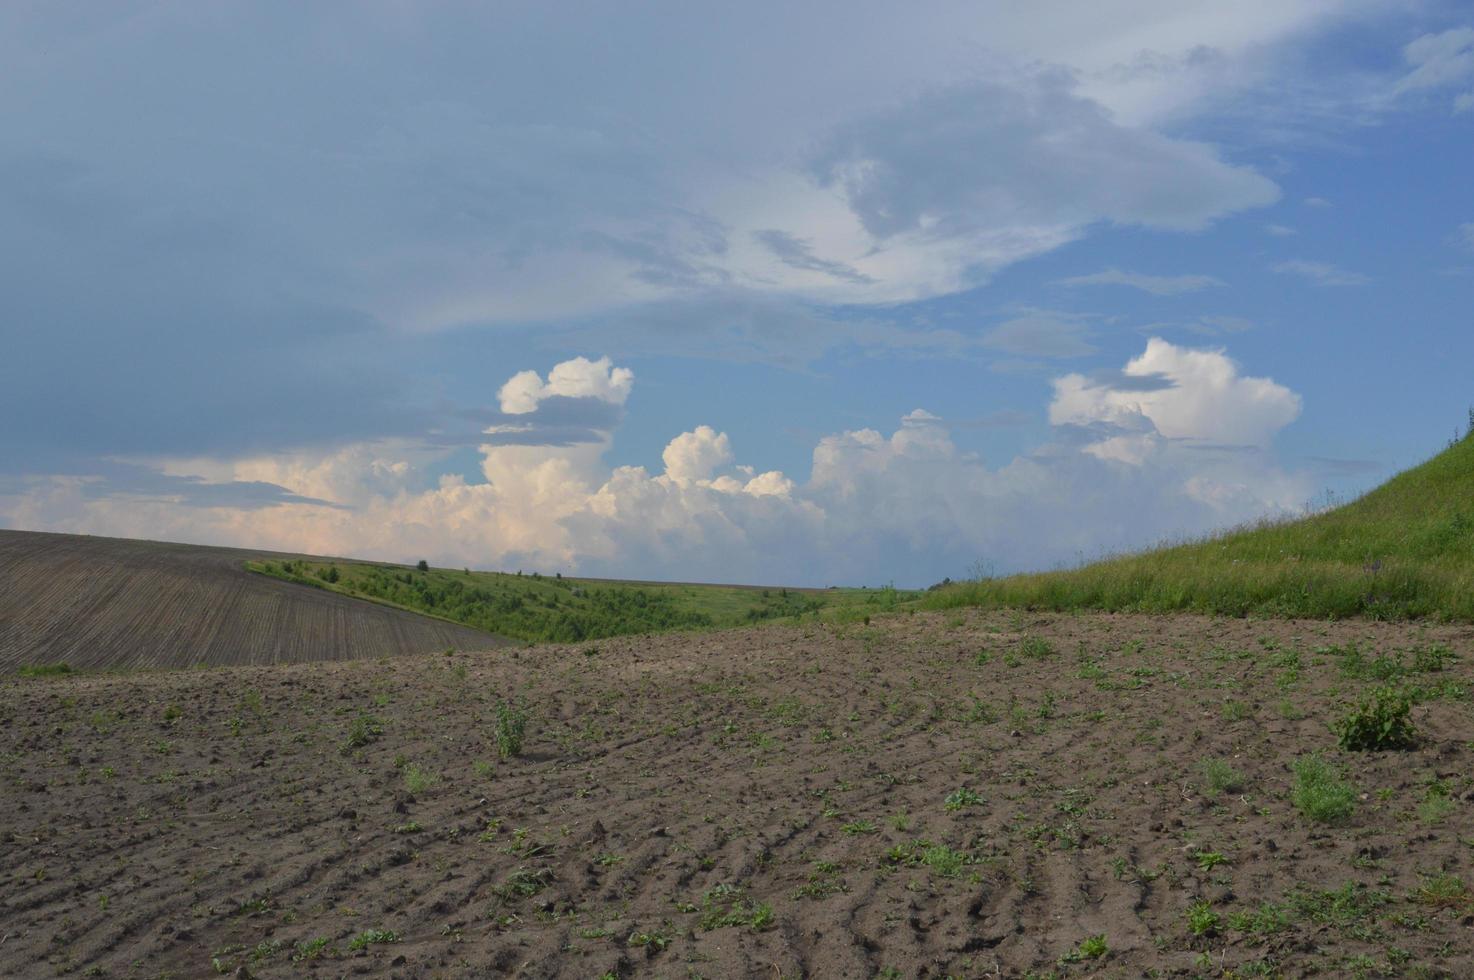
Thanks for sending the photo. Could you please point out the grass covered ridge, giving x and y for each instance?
(1403, 551)
(567, 610)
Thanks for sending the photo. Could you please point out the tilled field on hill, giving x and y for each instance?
(112, 603)
(981, 795)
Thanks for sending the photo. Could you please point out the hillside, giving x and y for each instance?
(1403, 551)
(567, 610)
(112, 603)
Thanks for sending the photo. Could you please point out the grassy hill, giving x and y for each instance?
(1403, 551)
(567, 610)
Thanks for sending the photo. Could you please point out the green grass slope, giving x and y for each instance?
(1403, 551)
(568, 610)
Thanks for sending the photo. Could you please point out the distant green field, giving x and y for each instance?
(1403, 551)
(536, 607)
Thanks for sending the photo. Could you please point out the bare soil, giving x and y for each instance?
(771, 802)
(114, 603)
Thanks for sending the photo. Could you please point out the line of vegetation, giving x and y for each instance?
(565, 610)
(1403, 551)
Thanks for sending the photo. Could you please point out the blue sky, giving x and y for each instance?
(842, 294)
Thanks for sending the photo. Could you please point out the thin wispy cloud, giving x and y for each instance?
(1156, 285)
(1321, 273)
(1042, 334)
(1439, 62)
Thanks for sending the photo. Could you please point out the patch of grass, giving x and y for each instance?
(44, 670)
(1220, 777)
(1436, 804)
(1319, 791)
(1237, 711)
(1035, 647)
(1381, 720)
(1443, 891)
(522, 883)
(1267, 919)
(418, 780)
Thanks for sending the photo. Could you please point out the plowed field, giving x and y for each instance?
(981, 795)
(111, 603)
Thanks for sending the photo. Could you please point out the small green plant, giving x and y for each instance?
(510, 729)
(1436, 804)
(372, 937)
(364, 730)
(726, 905)
(1380, 720)
(1220, 777)
(1090, 948)
(1236, 711)
(1319, 791)
(1265, 920)
(418, 780)
(1036, 647)
(1208, 860)
(940, 858)
(961, 798)
(311, 949)
(1201, 919)
(654, 940)
(523, 883)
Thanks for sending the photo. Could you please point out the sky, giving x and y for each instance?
(810, 294)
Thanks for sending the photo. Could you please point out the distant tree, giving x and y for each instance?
(423, 566)
(332, 575)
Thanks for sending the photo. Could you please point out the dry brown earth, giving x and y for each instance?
(94, 602)
(747, 803)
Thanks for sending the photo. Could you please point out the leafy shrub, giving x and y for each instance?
(511, 727)
(1320, 793)
(1381, 720)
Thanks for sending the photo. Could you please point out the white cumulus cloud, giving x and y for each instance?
(1176, 441)
(1201, 396)
(576, 378)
